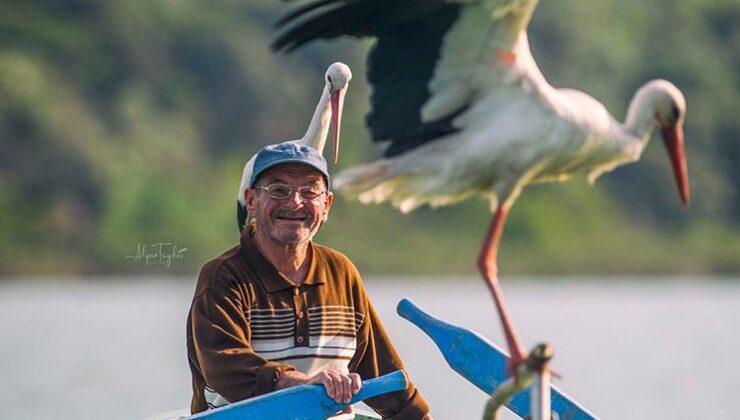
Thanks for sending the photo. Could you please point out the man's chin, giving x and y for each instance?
(293, 237)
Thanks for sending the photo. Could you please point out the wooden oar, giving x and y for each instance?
(304, 402)
(482, 363)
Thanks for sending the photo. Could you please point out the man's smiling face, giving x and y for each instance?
(293, 220)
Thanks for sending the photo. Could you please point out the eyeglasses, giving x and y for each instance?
(283, 191)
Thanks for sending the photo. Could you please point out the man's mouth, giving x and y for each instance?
(292, 217)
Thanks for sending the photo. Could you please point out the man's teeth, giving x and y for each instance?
(292, 217)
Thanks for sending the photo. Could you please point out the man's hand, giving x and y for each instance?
(339, 386)
(427, 416)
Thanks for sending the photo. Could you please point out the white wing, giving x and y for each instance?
(484, 49)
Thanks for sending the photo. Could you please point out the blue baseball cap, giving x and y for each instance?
(278, 154)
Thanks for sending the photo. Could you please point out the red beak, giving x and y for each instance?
(673, 139)
(337, 102)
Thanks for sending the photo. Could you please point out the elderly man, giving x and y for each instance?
(279, 310)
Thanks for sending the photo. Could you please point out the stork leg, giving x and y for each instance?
(489, 270)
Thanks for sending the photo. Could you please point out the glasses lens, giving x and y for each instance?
(311, 193)
(279, 191)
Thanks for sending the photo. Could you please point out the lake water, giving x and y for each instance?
(627, 349)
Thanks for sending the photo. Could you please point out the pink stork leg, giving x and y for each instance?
(489, 269)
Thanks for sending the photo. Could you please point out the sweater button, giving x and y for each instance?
(299, 339)
(300, 314)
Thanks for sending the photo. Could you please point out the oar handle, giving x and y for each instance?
(408, 310)
(394, 381)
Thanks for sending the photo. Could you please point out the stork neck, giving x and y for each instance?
(640, 120)
(318, 128)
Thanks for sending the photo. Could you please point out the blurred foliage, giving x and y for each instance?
(127, 123)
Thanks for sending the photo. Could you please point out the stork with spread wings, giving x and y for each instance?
(466, 111)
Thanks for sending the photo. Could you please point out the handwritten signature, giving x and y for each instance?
(159, 253)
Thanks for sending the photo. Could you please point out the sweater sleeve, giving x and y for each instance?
(221, 338)
(375, 356)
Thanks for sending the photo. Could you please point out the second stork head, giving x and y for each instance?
(337, 78)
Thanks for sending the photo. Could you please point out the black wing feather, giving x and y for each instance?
(300, 11)
(400, 64)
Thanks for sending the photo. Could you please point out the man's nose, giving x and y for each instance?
(295, 198)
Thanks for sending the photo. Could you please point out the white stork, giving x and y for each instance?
(337, 79)
(467, 112)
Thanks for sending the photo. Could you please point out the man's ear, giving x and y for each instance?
(329, 202)
(249, 198)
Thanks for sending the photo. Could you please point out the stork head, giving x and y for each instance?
(670, 112)
(660, 103)
(337, 77)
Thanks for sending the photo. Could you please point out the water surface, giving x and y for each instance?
(637, 349)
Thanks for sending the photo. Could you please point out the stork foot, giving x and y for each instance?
(514, 363)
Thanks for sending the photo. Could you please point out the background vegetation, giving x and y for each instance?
(128, 122)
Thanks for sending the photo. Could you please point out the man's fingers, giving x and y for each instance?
(356, 383)
(339, 386)
(336, 385)
(346, 388)
(325, 379)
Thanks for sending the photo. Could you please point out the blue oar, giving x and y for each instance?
(304, 402)
(482, 363)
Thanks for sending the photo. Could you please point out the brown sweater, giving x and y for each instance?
(248, 324)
